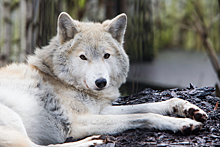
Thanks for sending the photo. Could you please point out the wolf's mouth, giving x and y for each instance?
(86, 84)
(99, 89)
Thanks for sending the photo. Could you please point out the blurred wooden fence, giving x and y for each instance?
(23, 27)
(152, 24)
(25, 24)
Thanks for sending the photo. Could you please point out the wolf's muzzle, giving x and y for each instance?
(101, 83)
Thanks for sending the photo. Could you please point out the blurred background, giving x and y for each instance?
(171, 43)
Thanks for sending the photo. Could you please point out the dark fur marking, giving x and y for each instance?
(53, 107)
(185, 112)
(65, 70)
(46, 65)
(175, 110)
(38, 85)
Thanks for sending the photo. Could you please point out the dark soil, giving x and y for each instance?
(202, 97)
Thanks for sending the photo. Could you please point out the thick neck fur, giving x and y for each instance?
(43, 58)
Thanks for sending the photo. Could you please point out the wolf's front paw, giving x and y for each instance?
(194, 112)
(190, 126)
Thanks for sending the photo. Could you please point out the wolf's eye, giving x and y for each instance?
(83, 57)
(107, 55)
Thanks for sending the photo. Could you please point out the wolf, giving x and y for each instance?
(67, 88)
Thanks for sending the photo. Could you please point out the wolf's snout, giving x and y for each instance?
(101, 83)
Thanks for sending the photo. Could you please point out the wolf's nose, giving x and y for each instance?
(101, 83)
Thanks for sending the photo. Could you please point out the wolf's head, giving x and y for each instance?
(87, 55)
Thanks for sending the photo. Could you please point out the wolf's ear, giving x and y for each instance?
(116, 27)
(67, 27)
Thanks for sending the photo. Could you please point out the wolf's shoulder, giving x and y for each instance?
(17, 70)
(18, 75)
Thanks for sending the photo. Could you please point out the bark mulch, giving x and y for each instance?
(202, 97)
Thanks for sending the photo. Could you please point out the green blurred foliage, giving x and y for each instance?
(174, 20)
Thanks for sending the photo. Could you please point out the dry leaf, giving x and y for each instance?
(216, 106)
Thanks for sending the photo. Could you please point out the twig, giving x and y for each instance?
(203, 33)
(187, 28)
(213, 21)
(216, 107)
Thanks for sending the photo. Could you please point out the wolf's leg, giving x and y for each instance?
(110, 124)
(171, 106)
(87, 142)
